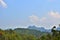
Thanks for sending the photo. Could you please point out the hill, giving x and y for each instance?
(20, 34)
(24, 31)
(28, 34)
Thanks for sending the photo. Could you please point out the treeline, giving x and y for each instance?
(13, 35)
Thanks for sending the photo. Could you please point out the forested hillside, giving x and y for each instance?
(26, 31)
(27, 34)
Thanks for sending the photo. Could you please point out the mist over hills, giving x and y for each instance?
(33, 27)
(42, 29)
(30, 33)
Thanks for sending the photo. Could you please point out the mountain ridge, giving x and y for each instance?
(42, 29)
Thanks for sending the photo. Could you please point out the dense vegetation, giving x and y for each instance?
(27, 34)
(25, 31)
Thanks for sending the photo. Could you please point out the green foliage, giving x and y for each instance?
(23, 31)
(26, 34)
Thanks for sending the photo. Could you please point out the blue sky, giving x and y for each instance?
(22, 13)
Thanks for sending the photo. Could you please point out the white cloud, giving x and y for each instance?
(52, 18)
(3, 3)
(34, 18)
(54, 14)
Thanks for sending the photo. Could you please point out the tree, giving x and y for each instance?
(53, 31)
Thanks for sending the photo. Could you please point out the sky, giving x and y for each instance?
(22, 13)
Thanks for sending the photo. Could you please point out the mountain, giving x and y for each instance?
(26, 34)
(58, 28)
(42, 29)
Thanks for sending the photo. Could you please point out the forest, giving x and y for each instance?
(27, 34)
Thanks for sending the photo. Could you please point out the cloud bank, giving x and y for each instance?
(3, 4)
(52, 18)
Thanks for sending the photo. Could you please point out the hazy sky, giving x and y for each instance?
(22, 13)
